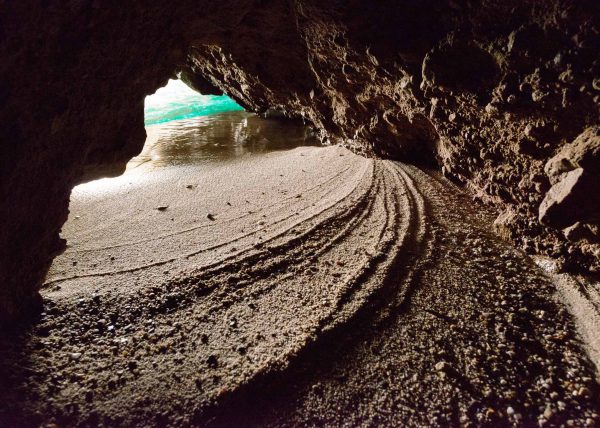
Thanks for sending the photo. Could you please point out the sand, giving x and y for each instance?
(303, 287)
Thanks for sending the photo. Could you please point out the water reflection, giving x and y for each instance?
(218, 137)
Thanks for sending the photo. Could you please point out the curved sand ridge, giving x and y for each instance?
(320, 288)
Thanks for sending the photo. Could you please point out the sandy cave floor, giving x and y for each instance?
(305, 287)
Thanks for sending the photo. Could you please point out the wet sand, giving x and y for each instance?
(306, 286)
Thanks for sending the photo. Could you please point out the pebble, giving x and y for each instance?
(442, 366)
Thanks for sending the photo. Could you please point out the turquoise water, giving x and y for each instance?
(177, 101)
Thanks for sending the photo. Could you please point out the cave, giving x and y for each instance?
(453, 280)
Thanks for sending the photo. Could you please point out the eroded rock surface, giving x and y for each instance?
(488, 91)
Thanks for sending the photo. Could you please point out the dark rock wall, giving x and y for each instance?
(503, 96)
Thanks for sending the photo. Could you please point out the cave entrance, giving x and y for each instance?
(206, 183)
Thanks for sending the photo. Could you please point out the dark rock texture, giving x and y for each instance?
(492, 91)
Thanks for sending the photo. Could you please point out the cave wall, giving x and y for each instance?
(502, 96)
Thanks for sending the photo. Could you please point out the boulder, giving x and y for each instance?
(583, 152)
(575, 198)
(574, 173)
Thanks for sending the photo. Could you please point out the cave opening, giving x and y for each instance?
(180, 187)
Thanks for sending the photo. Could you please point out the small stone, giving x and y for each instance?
(442, 366)
(558, 59)
(189, 186)
(584, 392)
(75, 356)
(529, 130)
(162, 208)
(566, 76)
(490, 109)
(537, 96)
(510, 411)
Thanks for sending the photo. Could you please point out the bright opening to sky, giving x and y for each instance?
(178, 101)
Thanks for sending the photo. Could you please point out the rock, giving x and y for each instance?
(458, 64)
(570, 200)
(577, 232)
(190, 76)
(574, 172)
(566, 76)
(583, 152)
(502, 224)
(442, 366)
